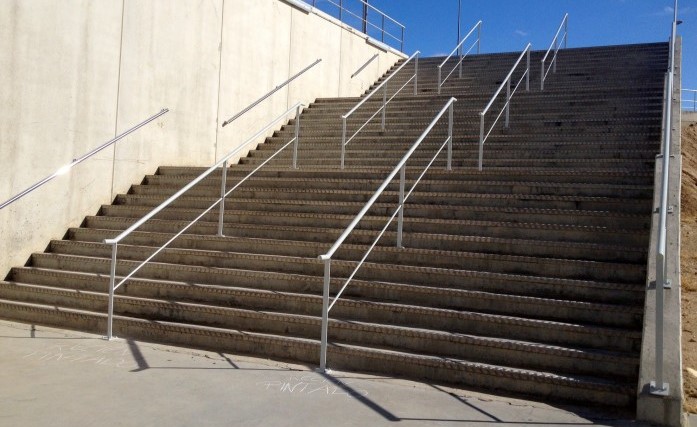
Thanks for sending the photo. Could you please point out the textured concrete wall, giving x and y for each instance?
(75, 73)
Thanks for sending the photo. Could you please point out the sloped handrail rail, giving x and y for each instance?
(401, 169)
(509, 94)
(222, 164)
(385, 101)
(693, 100)
(271, 92)
(478, 27)
(659, 387)
(65, 168)
(556, 44)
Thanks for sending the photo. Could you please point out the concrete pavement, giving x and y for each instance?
(64, 378)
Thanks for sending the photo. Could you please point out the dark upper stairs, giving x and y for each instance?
(527, 277)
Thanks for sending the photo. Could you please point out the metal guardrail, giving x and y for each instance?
(686, 101)
(458, 48)
(344, 12)
(659, 387)
(401, 169)
(507, 106)
(271, 92)
(65, 168)
(556, 44)
(385, 101)
(113, 286)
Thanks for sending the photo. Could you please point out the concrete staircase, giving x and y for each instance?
(527, 277)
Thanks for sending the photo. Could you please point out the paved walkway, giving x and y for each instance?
(63, 378)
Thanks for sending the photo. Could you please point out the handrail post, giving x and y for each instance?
(325, 315)
(382, 39)
(450, 137)
(527, 71)
(566, 30)
(343, 142)
(401, 47)
(221, 212)
(341, 9)
(384, 108)
(542, 75)
(694, 101)
(416, 74)
(439, 78)
(508, 103)
(400, 222)
(112, 280)
(459, 72)
(481, 140)
(297, 137)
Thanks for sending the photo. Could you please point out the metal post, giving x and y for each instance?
(365, 16)
(343, 142)
(542, 75)
(112, 280)
(479, 37)
(325, 315)
(400, 221)
(384, 107)
(401, 46)
(527, 75)
(450, 137)
(508, 103)
(221, 212)
(566, 30)
(439, 77)
(481, 140)
(382, 39)
(341, 9)
(416, 74)
(297, 137)
(459, 9)
(694, 102)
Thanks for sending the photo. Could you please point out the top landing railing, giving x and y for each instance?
(399, 212)
(687, 103)
(385, 21)
(66, 168)
(458, 49)
(382, 86)
(507, 106)
(556, 45)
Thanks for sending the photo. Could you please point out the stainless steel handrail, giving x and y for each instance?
(65, 168)
(363, 67)
(367, 22)
(385, 101)
(401, 168)
(507, 105)
(271, 92)
(693, 100)
(219, 202)
(659, 387)
(556, 43)
(478, 27)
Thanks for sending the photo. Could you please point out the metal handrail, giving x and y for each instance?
(363, 67)
(556, 43)
(271, 92)
(507, 105)
(219, 202)
(366, 22)
(401, 168)
(659, 387)
(693, 100)
(385, 101)
(477, 26)
(65, 168)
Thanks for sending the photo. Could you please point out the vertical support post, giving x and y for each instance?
(554, 60)
(325, 315)
(382, 39)
(112, 280)
(508, 103)
(439, 78)
(365, 16)
(542, 75)
(694, 101)
(450, 137)
(297, 137)
(343, 142)
(481, 140)
(221, 211)
(384, 107)
(479, 37)
(527, 72)
(416, 74)
(401, 46)
(566, 30)
(341, 10)
(400, 221)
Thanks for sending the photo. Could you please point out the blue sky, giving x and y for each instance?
(508, 25)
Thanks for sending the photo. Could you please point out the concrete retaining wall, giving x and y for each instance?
(74, 73)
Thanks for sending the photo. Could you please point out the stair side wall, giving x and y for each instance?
(78, 72)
